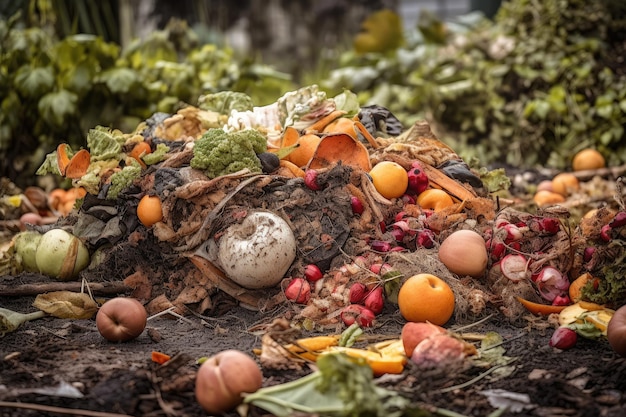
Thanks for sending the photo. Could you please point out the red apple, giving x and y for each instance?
(223, 378)
(121, 319)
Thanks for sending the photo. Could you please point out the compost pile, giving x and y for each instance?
(341, 222)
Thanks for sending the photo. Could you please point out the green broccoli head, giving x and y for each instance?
(219, 152)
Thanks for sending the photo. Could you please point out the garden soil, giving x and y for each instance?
(55, 367)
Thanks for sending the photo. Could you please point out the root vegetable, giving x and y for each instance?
(121, 319)
(312, 273)
(298, 291)
(223, 378)
(355, 313)
(257, 252)
(563, 338)
(515, 267)
(61, 255)
(551, 283)
(375, 300)
(464, 253)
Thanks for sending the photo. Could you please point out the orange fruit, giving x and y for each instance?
(564, 183)
(434, 199)
(140, 149)
(575, 288)
(425, 297)
(588, 159)
(149, 210)
(390, 179)
(547, 198)
(303, 153)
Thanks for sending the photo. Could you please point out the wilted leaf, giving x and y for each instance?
(66, 304)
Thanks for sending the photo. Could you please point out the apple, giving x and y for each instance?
(121, 319)
(414, 333)
(223, 378)
(616, 331)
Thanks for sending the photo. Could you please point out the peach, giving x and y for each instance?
(223, 378)
(413, 333)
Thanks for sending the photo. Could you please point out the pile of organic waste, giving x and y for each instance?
(317, 214)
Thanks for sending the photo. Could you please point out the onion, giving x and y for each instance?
(61, 255)
(464, 253)
(26, 248)
(257, 252)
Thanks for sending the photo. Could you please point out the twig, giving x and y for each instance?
(476, 323)
(172, 312)
(59, 410)
(35, 289)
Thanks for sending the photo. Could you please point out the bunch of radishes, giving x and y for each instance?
(299, 289)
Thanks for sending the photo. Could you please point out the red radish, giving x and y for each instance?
(375, 300)
(515, 267)
(513, 232)
(310, 180)
(496, 250)
(551, 283)
(397, 234)
(418, 180)
(312, 273)
(588, 253)
(563, 338)
(400, 216)
(605, 233)
(561, 300)
(357, 293)
(408, 199)
(357, 205)
(355, 313)
(425, 238)
(550, 225)
(298, 291)
(619, 220)
(380, 269)
(380, 246)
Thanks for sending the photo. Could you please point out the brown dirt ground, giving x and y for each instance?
(588, 380)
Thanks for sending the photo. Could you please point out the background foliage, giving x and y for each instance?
(543, 81)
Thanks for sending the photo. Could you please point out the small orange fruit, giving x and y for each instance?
(303, 153)
(390, 179)
(564, 183)
(588, 159)
(545, 198)
(149, 210)
(434, 199)
(575, 288)
(425, 297)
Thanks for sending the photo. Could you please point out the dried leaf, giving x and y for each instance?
(66, 304)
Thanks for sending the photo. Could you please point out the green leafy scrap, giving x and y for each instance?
(343, 386)
(104, 144)
(219, 152)
(122, 179)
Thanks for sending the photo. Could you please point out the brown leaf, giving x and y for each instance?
(66, 304)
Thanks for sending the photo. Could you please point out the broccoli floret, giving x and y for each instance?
(219, 153)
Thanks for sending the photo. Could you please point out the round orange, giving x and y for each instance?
(425, 297)
(304, 152)
(390, 179)
(588, 159)
(565, 183)
(149, 210)
(434, 199)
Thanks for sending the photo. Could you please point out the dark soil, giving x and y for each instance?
(43, 356)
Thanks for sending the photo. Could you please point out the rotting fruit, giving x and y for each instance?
(464, 252)
(223, 378)
(61, 255)
(390, 179)
(121, 319)
(425, 297)
(149, 210)
(588, 159)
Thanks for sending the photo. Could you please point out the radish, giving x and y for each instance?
(515, 267)
(551, 283)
